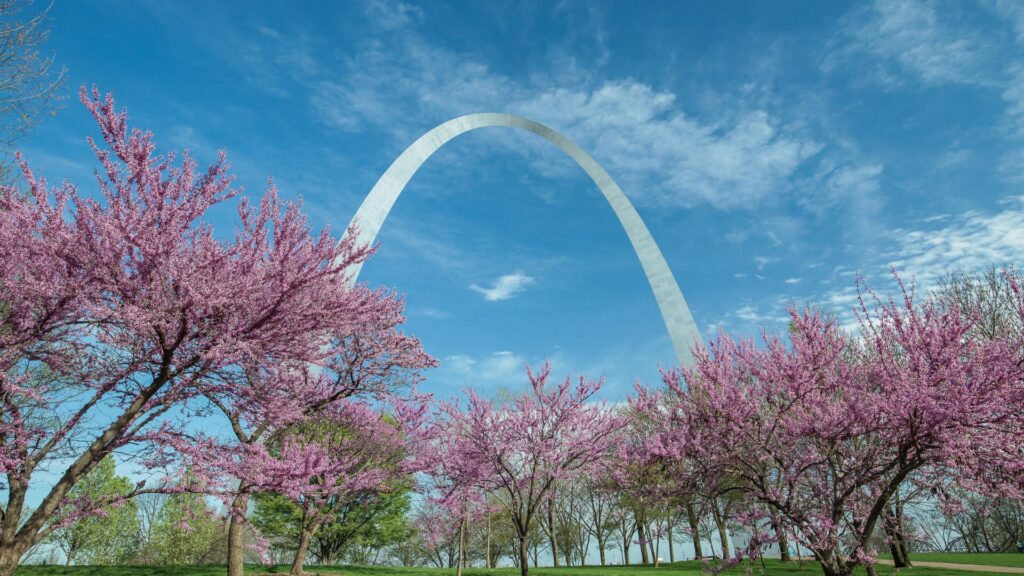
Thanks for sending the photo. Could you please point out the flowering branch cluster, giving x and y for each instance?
(824, 429)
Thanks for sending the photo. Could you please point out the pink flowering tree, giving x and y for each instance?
(353, 451)
(120, 307)
(438, 529)
(823, 430)
(371, 359)
(519, 451)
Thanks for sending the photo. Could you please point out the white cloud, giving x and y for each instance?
(498, 369)
(505, 287)
(430, 312)
(268, 31)
(750, 318)
(659, 153)
(389, 15)
(908, 36)
(921, 256)
(969, 242)
(763, 261)
(1012, 11)
(668, 157)
(1013, 96)
(856, 188)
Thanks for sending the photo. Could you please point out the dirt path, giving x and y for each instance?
(964, 567)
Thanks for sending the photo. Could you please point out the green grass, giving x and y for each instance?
(1014, 559)
(691, 568)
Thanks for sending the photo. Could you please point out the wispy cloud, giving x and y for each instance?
(762, 261)
(431, 312)
(924, 255)
(491, 374)
(661, 153)
(909, 36)
(912, 43)
(921, 255)
(505, 287)
(969, 242)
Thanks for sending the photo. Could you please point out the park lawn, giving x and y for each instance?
(773, 568)
(1014, 559)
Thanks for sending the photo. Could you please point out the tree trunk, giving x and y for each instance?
(780, 537)
(651, 543)
(671, 547)
(833, 564)
(691, 518)
(9, 557)
(300, 554)
(898, 559)
(524, 561)
(236, 532)
(642, 536)
(600, 550)
(723, 534)
(552, 532)
(892, 523)
(462, 545)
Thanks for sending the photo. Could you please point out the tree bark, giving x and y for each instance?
(524, 561)
(552, 532)
(723, 534)
(300, 554)
(832, 564)
(462, 545)
(651, 543)
(671, 547)
(780, 537)
(892, 522)
(642, 536)
(691, 518)
(9, 557)
(236, 532)
(487, 551)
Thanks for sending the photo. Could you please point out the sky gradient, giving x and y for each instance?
(776, 151)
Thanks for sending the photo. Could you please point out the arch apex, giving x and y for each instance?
(374, 210)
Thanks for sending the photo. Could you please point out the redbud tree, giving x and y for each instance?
(121, 306)
(824, 429)
(353, 452)
(519, 451)
(370, 359)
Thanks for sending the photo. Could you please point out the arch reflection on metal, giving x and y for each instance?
(374, 209)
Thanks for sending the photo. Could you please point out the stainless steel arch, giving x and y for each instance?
(374, 210)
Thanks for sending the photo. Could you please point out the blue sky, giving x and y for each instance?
(776, 150)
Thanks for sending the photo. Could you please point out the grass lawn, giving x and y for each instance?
(1015, 559)
(774, 568)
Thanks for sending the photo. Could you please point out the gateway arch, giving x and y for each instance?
(374, 210)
